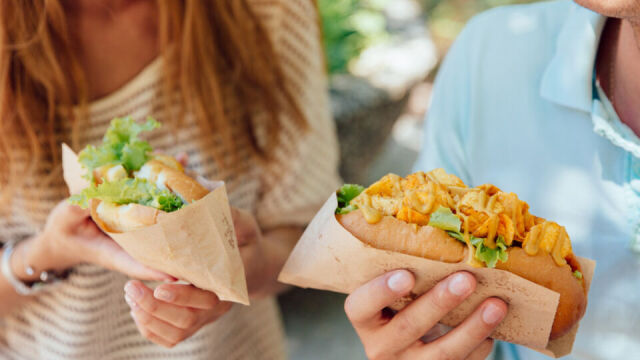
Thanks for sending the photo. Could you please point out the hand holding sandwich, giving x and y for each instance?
(70, 237)
(400, 336)
(173, 312)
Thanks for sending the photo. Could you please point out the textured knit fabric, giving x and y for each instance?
(86, 317)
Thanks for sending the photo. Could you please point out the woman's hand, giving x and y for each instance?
(70, 237)
(399, 336)
(173, 312)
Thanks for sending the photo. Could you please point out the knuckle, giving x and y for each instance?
(148, 304)
(224, 308)
(211, 302)
(407, 325)
(176, 339)
(143, 319)
(188, 320)
(348, 306)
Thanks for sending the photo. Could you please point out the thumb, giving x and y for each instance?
(111, 256)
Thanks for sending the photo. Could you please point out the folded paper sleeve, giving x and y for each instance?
(196, 244)
(328, 257)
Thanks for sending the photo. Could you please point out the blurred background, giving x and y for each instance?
(382, 57)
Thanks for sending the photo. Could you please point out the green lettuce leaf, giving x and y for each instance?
(128, 191)
(578, 275)
(120, 145)
(456, 235)
(443, 218)
(347, 193)
(488, 255)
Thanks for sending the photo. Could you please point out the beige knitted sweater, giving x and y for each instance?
(86, 317)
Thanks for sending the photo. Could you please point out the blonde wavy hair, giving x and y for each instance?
(41, 80)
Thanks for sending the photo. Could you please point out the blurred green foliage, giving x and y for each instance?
(448, 17)
(348, 27)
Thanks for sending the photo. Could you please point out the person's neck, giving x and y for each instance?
(626, 74)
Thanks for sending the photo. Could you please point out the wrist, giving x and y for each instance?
(19, 260)
(25, 278)
(38, 253)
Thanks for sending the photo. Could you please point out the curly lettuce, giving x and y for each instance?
(347, 193)
(488, 255)
(128, 191)
(443, 218)
(120, 145)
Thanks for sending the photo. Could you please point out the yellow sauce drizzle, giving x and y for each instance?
(485, 211)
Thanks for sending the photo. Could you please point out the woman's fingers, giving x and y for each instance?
(171, 334)
(188, 296)
(138, 295)
(110, 255)
(415, 320)
(144, 331)
(473, 331)
(403, 335)
(364, 306)
(166, 323)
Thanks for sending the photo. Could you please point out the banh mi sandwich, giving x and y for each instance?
(436, 216)
(130, 186)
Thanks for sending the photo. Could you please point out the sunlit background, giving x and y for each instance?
(382, 56)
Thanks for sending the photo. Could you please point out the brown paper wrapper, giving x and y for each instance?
(328, 257)
(196, 244)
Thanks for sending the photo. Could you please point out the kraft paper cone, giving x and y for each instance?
(196, 244)
(328, 257)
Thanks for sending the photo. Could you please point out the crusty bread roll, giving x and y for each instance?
(435, 244)
(123, 218)
(165, 177)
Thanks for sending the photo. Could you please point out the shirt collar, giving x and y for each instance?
(568, 78)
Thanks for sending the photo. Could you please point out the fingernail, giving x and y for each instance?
(399, 282)
(130, 301)
(492, 314)
(163, 294)
(133, 291)
(459, 285)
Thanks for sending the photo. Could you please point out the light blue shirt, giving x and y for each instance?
(515, 104)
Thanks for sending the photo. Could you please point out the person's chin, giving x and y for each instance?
(624, 9)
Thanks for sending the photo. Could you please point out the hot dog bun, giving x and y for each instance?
(542, 270)
(435, 244)
(396, 235)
